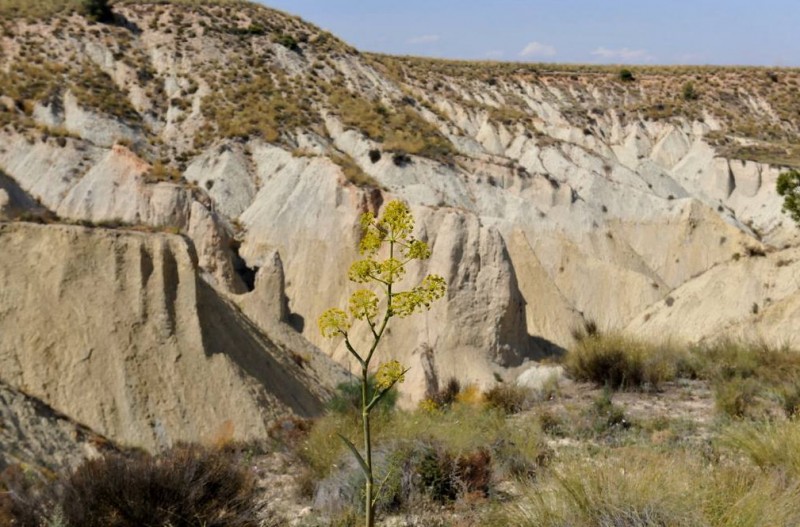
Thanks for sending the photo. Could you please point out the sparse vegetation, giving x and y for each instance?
(400, 129)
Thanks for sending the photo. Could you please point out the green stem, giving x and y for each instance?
(367, 404)
(365, 410)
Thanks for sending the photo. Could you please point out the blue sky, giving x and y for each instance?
(753, 32)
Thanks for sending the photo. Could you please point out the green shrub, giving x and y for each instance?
(98, 10)
(689, 93)
(287, 41)
(626, 75)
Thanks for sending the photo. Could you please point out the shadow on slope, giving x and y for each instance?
(19, 201)
(226, 330)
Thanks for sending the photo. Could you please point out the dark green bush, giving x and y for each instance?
(98, 10)
(287, 41)
(626, 75)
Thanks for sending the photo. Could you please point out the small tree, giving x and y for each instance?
(789, 187)
(98, 10)
(391, 234)
(626, 75)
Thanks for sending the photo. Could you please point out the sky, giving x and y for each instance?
(723, 32)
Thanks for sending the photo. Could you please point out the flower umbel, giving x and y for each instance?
(363, 271)
(364, 304)
(409, 302)
(389, 374)
(333, 322)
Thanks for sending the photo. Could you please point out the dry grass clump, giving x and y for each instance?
(769, 446)
(352, 172)
(621, 362)
(509, 398)
(252, 107)
(160, 172)
(185, 486)
(634, 487)
(750, 379)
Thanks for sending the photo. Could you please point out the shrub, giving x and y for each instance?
(689, 93)
(605, 416)
(769, 446)
(185, 486)
(98, 10)
(432, 471)
(626, 75)
(287, 41)
(736, 397)
(621, 362)
(788, 186)
(509, 398)
(446, 396)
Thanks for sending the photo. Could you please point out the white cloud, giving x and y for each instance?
(537, 49)
(424, 39)
(623, 54)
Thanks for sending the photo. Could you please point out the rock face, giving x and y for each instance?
(117, 330)
(548, 197)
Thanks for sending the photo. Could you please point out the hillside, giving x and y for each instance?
(550, 195)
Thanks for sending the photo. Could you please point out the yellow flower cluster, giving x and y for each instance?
(389, 374)
(432, 288)
(364, 304)
(333, 322)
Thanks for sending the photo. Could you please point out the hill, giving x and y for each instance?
(551, 195)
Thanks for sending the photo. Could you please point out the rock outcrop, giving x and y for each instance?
(117, 330)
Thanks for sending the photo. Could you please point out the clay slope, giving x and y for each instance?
(755, 298)
(550, 195)
(116, 330)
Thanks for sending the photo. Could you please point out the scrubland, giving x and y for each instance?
(634, 433)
